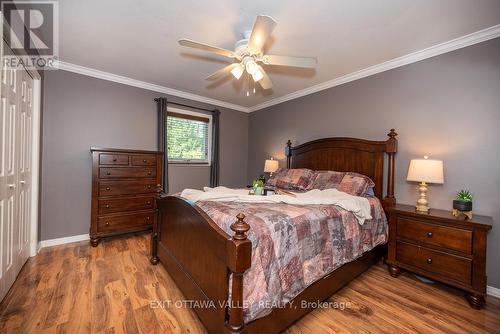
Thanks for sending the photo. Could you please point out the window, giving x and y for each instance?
(189, 136)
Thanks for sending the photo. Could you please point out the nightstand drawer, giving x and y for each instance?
(447, 237)
(452, 266)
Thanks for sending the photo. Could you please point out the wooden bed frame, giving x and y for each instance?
(200, 256)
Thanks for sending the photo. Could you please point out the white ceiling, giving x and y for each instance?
(138, 39)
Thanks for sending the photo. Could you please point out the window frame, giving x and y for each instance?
(187, 162)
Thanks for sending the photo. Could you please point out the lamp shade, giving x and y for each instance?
(426, 170)
(270, 166)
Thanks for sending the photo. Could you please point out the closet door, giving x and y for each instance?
(15, 172)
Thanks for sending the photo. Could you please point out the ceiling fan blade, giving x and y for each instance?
(305, 62)
(222, 72)
(205, 47)
(262, 29)
(265, 82)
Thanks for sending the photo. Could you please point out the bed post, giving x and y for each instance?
(154, 235)
(239, 253)
(391, 149)
(288, 153)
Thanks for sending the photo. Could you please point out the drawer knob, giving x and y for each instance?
(108, 173)
(149, 187)
(108, 188)
(148, 202)
(429, 234)
(114, 159)
(107, 223)
(149, 173)
(107, 206)
(144, 161)
(147, 218)
(429, 261)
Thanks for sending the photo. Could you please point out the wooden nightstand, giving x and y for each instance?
(437, 245)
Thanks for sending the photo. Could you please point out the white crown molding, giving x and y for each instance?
(454, 44)
(61, 65)
(62, 241)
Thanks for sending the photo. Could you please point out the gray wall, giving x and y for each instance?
(447, 107)
(80, 112)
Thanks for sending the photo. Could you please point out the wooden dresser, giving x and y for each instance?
(440, 246)
(124, 187)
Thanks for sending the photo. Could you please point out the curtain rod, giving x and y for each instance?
(187, 106)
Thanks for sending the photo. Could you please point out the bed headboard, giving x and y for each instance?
(349, 155)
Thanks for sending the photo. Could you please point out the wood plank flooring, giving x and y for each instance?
(75, 288)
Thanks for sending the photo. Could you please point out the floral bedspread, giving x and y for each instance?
(295, 245)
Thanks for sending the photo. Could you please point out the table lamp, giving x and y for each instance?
(270, 166)
(425, 171)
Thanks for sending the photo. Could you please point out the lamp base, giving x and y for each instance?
(423, 209)
(422, 203)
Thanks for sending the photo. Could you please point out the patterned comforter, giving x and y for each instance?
(295, 245)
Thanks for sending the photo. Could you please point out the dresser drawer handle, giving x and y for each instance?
(108, 173)
(107, 223)
(149, 173)
(147, 218)
(114, 159)
(149, 187)
(107, 206)
(429, 234)
(429, 261)
(148, 202)
(108, 188)
(144, 161)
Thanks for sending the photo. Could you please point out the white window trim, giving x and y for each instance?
(194, 163)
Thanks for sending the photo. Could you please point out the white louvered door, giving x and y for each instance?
(16, 105)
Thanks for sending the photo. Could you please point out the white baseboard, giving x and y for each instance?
(494, 292)
(65, 240)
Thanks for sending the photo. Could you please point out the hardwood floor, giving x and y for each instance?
(75, 288)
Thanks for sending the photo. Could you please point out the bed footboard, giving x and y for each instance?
(201, 258)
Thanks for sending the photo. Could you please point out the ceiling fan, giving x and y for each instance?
(248, 54)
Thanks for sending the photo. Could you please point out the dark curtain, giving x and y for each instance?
(214, 168)
(161, 103)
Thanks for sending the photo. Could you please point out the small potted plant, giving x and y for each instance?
(258, 185)
(463, 202)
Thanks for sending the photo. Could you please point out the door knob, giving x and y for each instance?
(11, 186)
(22, 182)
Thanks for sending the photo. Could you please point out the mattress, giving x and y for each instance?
(293, 246)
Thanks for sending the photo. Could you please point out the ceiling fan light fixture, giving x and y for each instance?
(251, 67)
(237, 71)
(257, 75)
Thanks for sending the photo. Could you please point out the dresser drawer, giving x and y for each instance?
(130, 172)
(110, 188)
(447, 237)
(452, 266)
(113, 159)
(143, 160)
(125, 222)
(125, 204)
